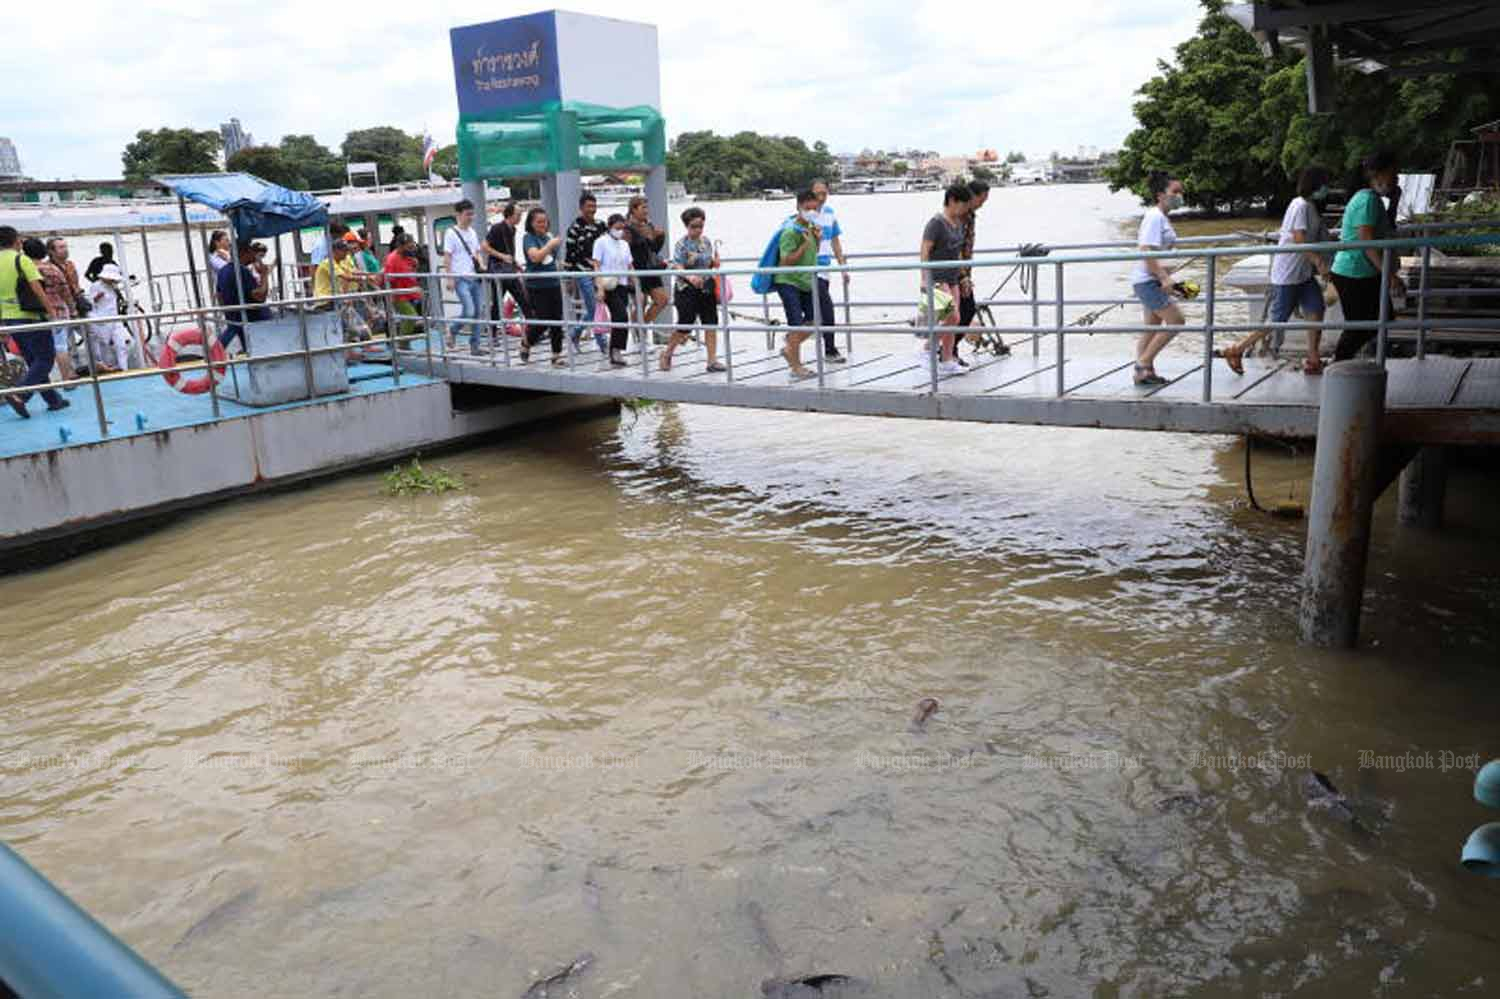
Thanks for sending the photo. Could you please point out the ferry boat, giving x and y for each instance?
(776, 194)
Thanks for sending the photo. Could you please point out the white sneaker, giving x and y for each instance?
(950, 368)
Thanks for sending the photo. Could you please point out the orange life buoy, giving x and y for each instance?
(167, 360)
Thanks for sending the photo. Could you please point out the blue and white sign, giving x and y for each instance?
(506, 65)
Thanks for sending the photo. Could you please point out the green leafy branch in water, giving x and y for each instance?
(412, 479)
(635, 407)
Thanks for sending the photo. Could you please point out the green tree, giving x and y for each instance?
(1202, 120)
(1015, 156)
(170, 150)
(317, 165)
(267, 163)
(746, 162)
(395, 153)
(445, 162)
(984, 173)
(899, 168)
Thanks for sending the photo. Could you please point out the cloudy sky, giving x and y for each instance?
(954, 76)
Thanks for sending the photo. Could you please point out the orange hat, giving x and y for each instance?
(351, 239)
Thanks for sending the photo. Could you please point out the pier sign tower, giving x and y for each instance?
(555, 94)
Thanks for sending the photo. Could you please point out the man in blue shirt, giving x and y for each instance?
(255, 282)
(830, 248)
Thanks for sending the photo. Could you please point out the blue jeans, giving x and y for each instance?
(468, 307)
(797, 304)
(586, 290)
(36, 348)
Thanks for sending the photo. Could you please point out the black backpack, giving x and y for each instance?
(25, 296)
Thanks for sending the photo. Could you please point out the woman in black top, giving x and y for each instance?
(646, 242)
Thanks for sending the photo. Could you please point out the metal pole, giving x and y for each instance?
(932, 352)
(1345, 472)
(641, 334)
(817, 318)
(88, 343)
(1422, 304)
(390, 337)
(280, 272)
(848, 316)
(728, 347)
(765, 310)
(1060, 351)
(187, 239)
(1208, 333)
(151, 297)
(1036, 312)
(307, 368)
(1424, 486)
(1385, 306)
(563, 288)
(436, 258)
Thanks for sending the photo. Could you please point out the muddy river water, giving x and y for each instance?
(644, 688)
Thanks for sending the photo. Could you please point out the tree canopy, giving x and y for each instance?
(267, 163)
(170, 150)
(1233, 125)
(397, 154)
(746, 162)
(319, 167)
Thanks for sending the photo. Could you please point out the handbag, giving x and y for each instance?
(81, 304)
(724, 289)
(601, 319)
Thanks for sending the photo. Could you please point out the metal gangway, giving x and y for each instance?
(1051, 374)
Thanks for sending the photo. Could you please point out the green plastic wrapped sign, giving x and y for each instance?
(559, 136)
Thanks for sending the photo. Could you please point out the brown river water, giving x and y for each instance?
(644, 689)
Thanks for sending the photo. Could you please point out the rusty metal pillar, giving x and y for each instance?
(1346, 481)
(1424, 485)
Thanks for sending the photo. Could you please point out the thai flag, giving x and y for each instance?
(429, 151)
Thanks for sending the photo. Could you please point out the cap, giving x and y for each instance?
(352, 239)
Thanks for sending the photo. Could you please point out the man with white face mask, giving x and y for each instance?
(798, 248)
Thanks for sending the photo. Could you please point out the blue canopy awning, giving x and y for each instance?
(255, 207)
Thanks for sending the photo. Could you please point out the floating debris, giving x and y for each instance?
(543, 988)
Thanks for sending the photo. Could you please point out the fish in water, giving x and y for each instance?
(225, 912)
(542, 988)
(811, 987)
(1322, 793)
(926, 708)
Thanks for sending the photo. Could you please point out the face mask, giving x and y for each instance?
(617, 233)
(810, 216)
(1321, 194)
(1174, 202)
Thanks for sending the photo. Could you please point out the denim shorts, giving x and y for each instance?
(1288, 298)
(1151, 295)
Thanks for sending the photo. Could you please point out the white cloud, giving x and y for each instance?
(948, 76)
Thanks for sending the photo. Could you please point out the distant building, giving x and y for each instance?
(53, 192)
(10, 163)
(235, 138)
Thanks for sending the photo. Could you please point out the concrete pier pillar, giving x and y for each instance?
(1345, 485)
(1424, 485)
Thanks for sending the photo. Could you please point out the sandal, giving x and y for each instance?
(558, 360)
(714, 368)
(1232, 356)
(525, 354)
(1312, 366)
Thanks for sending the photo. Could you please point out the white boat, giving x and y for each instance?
(775, 194)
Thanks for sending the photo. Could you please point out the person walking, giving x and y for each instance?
(646, 242)
(968, 309)
(612, 253)
(540, 248)
(255, 278)
(1293, 286)
(1356, 273)
(582, 235)
(499, 249)
(461, 262)
(697, 302)
(62, 303)
(830, 248)
(1151, 280)
(23, 300)
(109, 340)
(798, 247)
(943, 240)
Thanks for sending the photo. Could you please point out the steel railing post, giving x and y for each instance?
(1208, 332)
(817, 322)
(564, 286)
(88, 343)
(724, 328)
(1036, 311)
(642, 331)
(1385, 306)
(1422, 303)
(390, 337)
(932, 348)
(848, 314)
(1060, 350)
(307, 366)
